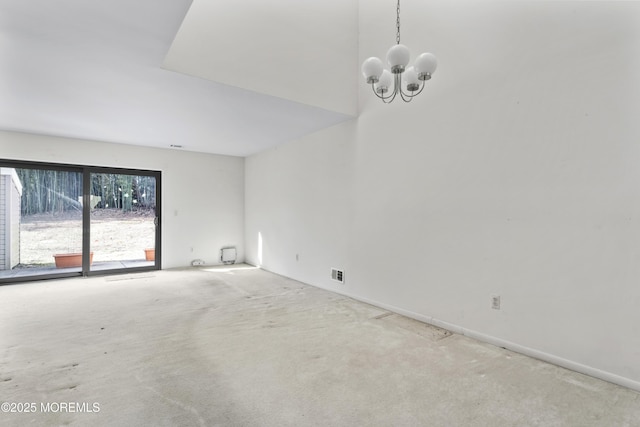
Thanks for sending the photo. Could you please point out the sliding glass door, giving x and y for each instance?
(123, 220)
(66, 220)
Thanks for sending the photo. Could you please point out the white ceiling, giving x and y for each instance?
(92, 69)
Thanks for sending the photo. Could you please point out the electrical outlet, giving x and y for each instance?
(197, 262)
(495, 302)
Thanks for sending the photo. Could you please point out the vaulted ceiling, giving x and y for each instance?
(218, 77)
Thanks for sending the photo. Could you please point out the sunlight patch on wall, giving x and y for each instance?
(259, 249)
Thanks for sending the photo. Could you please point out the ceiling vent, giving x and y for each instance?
(337, 275)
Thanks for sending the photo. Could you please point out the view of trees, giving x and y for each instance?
(49, 191)
(53, 191)
(125, 192)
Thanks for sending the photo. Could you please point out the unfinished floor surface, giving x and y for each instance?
(244, 347)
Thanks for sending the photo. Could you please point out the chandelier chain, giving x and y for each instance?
(398, 23)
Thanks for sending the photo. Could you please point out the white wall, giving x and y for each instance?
(281, 48)
(202, 194)
(515, 173)
(298, 202)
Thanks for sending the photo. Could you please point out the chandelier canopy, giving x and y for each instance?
(412, 78)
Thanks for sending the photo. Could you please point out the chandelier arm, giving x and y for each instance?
(378, 95)
(373, 88)
(413, 93)
(396, 86)
(391, 97)
(421, 89)
(406, 97)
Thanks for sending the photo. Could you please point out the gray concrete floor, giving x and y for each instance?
(244, 347)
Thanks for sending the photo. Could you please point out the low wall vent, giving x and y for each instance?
(228, 255)
(337, 275)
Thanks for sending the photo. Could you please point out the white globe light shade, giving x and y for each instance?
(398, 55)
(386, 80)
(426, 63)
(410, 76)
(372, 67)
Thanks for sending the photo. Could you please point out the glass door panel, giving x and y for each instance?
(40, 222)
(122, 221)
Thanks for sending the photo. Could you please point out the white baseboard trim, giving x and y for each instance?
(536, 354)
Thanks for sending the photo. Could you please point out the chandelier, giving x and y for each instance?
(412, 78)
